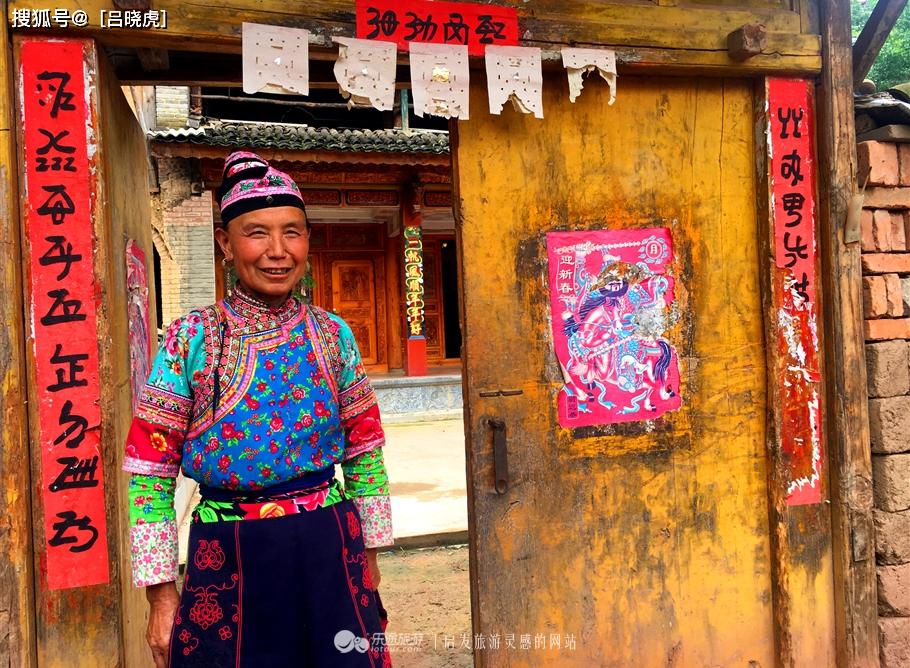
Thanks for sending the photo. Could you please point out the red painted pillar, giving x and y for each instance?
(415, 363)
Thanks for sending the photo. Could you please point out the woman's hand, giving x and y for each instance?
(373, 563)
(163, 602)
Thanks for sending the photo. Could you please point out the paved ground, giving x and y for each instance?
(426, 465)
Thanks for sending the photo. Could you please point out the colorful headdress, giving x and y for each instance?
(249, 183)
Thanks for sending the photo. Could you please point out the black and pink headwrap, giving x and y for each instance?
(249, 183)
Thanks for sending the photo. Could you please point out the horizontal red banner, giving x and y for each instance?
(472, 25)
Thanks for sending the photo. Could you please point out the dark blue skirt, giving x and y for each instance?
(276, 592)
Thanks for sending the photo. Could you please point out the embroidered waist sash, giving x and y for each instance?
(319, 489)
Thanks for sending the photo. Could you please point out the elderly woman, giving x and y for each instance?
(258, 397)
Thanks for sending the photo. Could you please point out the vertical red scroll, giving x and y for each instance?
(792, 181)
(59, 147)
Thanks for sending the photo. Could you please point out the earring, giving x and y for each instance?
(225, 261)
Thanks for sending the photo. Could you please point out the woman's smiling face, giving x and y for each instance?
(269, 250)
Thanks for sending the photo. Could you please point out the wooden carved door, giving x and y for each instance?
(354, 299)
(635, 543)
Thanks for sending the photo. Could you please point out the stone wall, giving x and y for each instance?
(182, 230)
(885, 169)
(172, 106)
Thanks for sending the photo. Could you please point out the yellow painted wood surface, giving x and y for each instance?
(651, 546)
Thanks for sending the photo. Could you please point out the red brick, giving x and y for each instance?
(865, 226)
(895, 297)
(893, 590)
(892, 537)
(891, 482)
(887, 328)
(888, 368)
(875, 296)
(898, 231)
(889, 425)
(903, 158)
(881, 229)
(877, 161)
(887, 198)
(894, 642)
(886, 263)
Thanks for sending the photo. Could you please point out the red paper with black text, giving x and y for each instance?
(60, 149)
(473, 25)
(792, 180)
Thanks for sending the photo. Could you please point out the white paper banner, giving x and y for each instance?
(579, 62)
(365, 71)
(514, 73)
(277, 58)
(439, 79)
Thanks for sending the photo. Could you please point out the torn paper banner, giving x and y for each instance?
(276, 59)
(365, 72)
(579, 62)
(514, 73)
(439, 79)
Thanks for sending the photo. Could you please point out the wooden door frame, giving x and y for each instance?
(16, 548)
(846, 400)
(437, 239)
(847, 419)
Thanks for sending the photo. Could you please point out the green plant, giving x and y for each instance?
(893, 63)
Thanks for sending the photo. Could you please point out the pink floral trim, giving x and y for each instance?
(153, 548)
(352, 451)
(375, 520)
(135, 465)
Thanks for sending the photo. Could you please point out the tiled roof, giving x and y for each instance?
(235, 134)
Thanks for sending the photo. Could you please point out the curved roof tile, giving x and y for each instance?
(303, 137)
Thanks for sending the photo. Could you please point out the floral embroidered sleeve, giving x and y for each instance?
(154, 449)
(365, 480)
(367, 485)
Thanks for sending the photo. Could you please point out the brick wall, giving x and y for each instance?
(172, 106)
(183, 226)
(885, 169)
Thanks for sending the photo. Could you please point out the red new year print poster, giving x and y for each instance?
(59, 147)
(610, 298)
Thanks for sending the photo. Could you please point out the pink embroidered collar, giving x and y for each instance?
(253, 310)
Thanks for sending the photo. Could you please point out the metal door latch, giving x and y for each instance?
(501, 393)
(500, 456)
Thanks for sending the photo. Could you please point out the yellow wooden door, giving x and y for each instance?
(640, 544)
(354, 299)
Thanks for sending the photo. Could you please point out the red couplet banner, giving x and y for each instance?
(792, 178)
(60, 154)
(404, 21)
